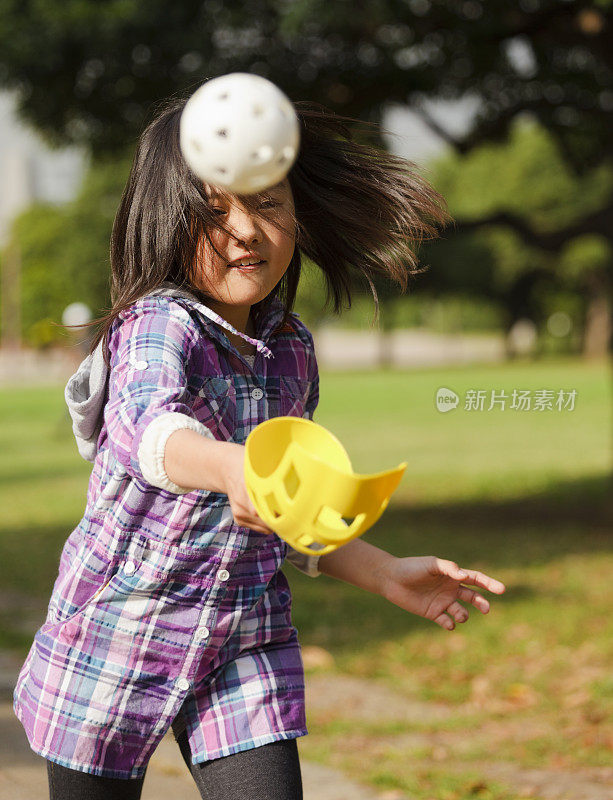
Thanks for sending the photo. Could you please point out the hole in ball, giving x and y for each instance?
(223, 132)
(222, 96)
(221, 170)
(257, 110)
(262, 154)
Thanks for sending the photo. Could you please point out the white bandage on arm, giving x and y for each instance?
(153, 444)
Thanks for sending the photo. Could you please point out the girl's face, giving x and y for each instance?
(233, 288)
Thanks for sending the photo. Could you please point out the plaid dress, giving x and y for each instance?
(165, 611)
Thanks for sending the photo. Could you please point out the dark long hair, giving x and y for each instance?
(359, 211)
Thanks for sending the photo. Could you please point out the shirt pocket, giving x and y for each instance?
(293, 395)
(89, 575)
(216, 406)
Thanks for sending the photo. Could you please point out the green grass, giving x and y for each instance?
(460, 456)
(524, 496)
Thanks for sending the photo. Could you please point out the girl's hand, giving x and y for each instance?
(431, 587)
(233, 471)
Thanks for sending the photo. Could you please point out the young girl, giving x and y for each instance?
(170, 608)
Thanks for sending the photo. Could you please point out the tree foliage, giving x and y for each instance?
(92, 73)
(529, 179)
(64, 251)
(89, 72)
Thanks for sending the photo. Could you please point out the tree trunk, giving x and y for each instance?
(10, 289)
(597, 331)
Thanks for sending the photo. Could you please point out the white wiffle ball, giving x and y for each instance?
(239, 132)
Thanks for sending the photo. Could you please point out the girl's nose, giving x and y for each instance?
(244, 225)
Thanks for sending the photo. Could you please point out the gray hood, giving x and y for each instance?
(85, 395)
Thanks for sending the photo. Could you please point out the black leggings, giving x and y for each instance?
(269, 772)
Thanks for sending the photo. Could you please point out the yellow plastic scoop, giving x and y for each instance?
(300, 480)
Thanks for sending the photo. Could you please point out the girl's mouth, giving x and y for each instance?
(247, 267)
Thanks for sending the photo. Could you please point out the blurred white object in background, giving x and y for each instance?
(559, 324)
(79, 314)
(239, 132)
(522, 337)
(76, 314)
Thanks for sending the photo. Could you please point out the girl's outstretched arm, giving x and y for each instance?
(196, 462)
(427, 586)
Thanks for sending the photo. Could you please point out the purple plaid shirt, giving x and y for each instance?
(165, 611)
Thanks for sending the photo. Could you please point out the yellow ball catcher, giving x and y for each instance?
(300, 480)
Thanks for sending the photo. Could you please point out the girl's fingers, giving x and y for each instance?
(253, 526)
(260, 526)
(254, 523)
(476, 578)
(477, 600)
(445, 622)
(457, 611)
(441, 566)
(263, 526)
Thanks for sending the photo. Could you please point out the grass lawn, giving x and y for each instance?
(522, 495)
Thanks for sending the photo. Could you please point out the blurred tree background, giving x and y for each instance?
(529, 183)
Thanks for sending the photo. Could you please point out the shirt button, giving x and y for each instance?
(129, 568)
(202, 633)
(257, 394)
(183, 684)
(223, 574)
(141, 365)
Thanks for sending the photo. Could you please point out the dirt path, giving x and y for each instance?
(331, 698)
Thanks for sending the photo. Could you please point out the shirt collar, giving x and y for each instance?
(269, 320)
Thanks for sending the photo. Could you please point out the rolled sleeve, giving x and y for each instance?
(148, 395)
(153, 445)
